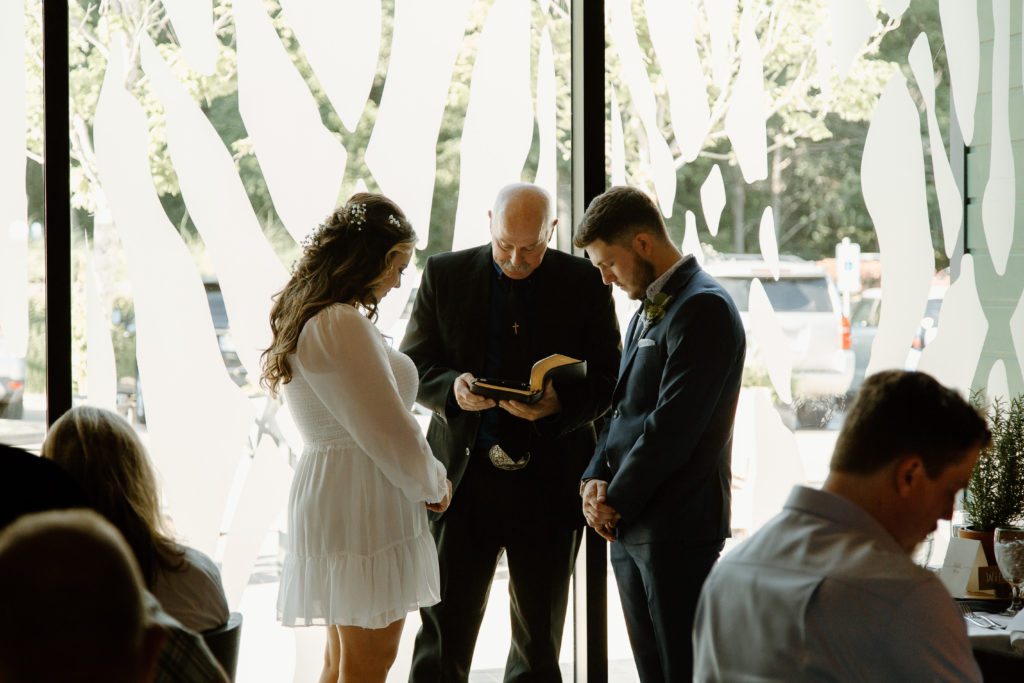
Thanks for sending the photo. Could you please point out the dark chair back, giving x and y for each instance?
(223, 643)
(999, 666)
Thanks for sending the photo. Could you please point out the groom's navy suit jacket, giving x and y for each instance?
(666, 447)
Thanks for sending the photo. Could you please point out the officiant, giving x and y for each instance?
(493, 311)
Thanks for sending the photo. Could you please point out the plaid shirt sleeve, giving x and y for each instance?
(184, 657)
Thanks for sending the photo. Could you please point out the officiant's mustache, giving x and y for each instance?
(521, 268)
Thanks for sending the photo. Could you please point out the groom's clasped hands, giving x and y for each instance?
(600, 516)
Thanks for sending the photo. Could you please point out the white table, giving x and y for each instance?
(991, 639)
(996, 658)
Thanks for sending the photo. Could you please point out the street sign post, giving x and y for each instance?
(847, 271)
(848, 266)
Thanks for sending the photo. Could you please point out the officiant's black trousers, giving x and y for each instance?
(492, 510)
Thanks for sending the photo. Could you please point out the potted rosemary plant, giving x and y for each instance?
(995, 493)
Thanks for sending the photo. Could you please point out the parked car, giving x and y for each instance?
(808, 309)
(228, 350)
(12, 382)
(930, 322)
(929, 327)
(864, 314)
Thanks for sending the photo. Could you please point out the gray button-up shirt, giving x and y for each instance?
(824, 593)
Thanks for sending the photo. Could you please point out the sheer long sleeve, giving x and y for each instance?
(345, 362)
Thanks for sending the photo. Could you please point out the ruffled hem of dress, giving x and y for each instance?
(345, 589)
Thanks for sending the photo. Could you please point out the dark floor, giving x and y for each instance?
(619, 671)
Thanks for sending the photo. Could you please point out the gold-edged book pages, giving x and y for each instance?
(565, 368)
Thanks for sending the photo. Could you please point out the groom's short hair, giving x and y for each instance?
(618, 215)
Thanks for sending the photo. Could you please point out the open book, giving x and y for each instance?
(556, 366)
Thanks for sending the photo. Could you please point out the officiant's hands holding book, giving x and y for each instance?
(465, 397)
(547, 404)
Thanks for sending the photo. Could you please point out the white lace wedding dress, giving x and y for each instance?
(359, 550)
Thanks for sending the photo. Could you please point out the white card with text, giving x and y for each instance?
(960, 568)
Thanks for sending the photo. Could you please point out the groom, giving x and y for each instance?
(659, 484)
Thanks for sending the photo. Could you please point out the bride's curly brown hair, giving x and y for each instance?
(342, 261)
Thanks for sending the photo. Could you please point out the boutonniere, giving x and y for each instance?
(654, 309)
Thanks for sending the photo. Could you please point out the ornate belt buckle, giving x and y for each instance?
(503, 461)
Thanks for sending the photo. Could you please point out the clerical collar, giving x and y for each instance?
(659, 284)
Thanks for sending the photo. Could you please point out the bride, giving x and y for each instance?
(360, 555)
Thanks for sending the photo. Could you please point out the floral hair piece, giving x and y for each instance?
(394, 221)
(313, 237)
(356, 214)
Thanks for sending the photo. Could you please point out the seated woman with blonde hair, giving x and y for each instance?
(104, 455)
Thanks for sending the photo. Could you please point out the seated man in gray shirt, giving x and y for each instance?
(826, 591)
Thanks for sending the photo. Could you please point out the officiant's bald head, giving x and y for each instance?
(521, 227)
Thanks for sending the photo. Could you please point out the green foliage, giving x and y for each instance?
(448, 175)
(35, 355)
(995, 493)
(815, 136)
(122, 333)
(122, 336)
(756, 375)
(654, 310)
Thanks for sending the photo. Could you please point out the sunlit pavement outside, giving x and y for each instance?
(29, 431)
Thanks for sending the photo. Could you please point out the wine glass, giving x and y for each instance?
(1009, 547)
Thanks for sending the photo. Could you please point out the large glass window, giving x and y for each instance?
(810, 295)
(768, 132)
(207, 140)
(22, 275)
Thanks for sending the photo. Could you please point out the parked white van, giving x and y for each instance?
(808, 310)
